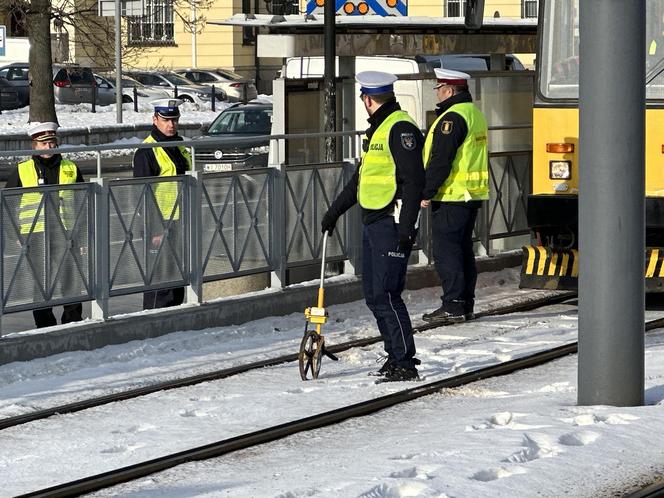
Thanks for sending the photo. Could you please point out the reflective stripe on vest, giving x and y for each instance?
(29, 205)
(166, 193)
(469, 178)
(378, 183)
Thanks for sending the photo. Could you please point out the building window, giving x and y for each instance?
(155, 27)
(528, 8)
(456, 8)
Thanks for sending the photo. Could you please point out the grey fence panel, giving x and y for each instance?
(148, 236)
(47, 246)
(310, 190)
(509, 175)
(235, 220)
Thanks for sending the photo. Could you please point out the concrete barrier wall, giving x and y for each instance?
(97, 135)
(230, 311)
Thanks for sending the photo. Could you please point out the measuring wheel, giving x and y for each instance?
(311, 353)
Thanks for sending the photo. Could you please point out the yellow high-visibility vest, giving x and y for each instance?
(469, 178)
(167, 193)
(378, 183)
(30, 202)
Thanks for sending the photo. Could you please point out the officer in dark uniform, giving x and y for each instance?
(388, 186)
(46, 169)
(457, 181)
(166, 161)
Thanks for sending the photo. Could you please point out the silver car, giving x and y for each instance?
(238, 88)
(186, 90)
(143, 93)
(73, 84)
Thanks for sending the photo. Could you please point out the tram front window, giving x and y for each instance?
(559, 52)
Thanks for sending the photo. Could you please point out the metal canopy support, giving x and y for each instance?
(611, 203)
(330, 114)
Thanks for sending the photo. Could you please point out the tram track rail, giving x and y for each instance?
(239, 369)
(332, 417)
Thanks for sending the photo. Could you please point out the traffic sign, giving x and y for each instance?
(383, 8)
(3, 40)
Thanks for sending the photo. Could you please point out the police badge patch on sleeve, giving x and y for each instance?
(446, 127)
(408, 141)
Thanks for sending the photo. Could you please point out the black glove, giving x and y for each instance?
(405, 243)
(327, 223)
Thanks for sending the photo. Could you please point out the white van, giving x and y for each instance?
(409, 93)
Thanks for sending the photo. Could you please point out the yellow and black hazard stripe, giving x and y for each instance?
(544, 268)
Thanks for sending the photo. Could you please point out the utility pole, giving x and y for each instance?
(611, 203)
(118, 62)
(330, 73)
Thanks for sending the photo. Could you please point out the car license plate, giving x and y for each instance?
(215, 167)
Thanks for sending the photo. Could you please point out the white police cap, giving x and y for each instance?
(449, 77)
(41, 132)
(167, 108)
(373, 82)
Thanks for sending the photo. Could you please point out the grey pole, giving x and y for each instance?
(118, 61)
(330, 108)
(611, 203)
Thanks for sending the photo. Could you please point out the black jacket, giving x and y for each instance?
(409, 174)
(445, 144)
(47, 168)
(145, 162)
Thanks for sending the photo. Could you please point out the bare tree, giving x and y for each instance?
(94, 37)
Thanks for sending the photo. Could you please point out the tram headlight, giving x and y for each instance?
(560, 170)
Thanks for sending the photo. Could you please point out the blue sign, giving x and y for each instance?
(3, 40)
(383, 8)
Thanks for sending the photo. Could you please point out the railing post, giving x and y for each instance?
(194, 291)
(94, 97)
(175, 92)
(99, 307)
(135, 99)
(354, 227)
(277, 210)
(213, 100)
(98, 164)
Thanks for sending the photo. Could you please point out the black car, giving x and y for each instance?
(238, 121)
(16, 76)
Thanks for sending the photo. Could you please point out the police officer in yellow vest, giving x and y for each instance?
(387, 186)
(457, 181)
(45, 169)
(163, 161)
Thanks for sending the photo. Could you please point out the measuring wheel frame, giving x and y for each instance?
(311, 354)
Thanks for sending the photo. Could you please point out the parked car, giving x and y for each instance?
(238, 121)
(9, 98)
(72, 84)
(128, 84)
(187, 91)
(238, 88)
(16, 75)
(468, 62)
(75, 84)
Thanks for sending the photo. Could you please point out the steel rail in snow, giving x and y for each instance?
(229, 372)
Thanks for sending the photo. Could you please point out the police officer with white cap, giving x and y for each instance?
(163, 161)
(388, 186)
(45, 168)
(457, 181)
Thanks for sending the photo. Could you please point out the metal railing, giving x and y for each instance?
(93, 241)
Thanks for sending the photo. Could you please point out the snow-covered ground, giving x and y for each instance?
(516, 436)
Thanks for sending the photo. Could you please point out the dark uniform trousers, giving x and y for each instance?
(164, 270)
(383, 279)
(453, 224)
(44, 317)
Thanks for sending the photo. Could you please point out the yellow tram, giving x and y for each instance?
(552, 261)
